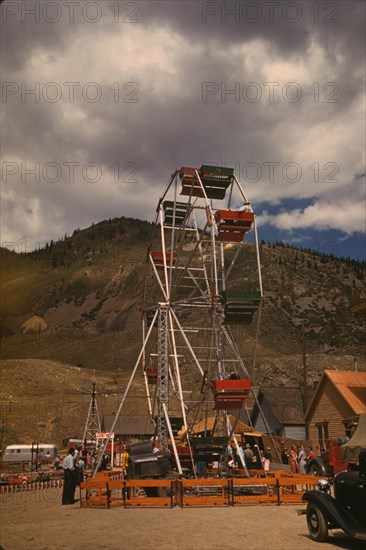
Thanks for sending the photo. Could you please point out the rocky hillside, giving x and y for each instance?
(86, 291)
(71, 312)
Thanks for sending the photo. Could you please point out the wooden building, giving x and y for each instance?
(283, 409)
(129, 428)
(337, 403)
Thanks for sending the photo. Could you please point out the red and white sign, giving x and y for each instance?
(105, 435)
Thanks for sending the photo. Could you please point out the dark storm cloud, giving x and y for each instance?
(167, 56)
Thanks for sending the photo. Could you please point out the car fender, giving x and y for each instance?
(335, 513)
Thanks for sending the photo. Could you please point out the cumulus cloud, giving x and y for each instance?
(280, 100)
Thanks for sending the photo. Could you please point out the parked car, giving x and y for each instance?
(21, 479)
(330, 462)
(346, 510)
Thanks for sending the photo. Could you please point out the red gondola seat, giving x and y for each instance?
(158, 259)
(230, 394)
(233, 225)
(190, 183)
(152, 375)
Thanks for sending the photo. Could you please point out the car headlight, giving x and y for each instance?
(323, 485)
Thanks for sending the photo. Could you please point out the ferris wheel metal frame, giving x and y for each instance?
(187, 294)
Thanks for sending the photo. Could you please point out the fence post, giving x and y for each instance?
(172, 493)
(108, 495)
(278, 488)
(230, 491)
(124, 493)
(181, 492)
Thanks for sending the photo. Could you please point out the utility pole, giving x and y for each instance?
(305, 377)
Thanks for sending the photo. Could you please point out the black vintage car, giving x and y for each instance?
(346, 511)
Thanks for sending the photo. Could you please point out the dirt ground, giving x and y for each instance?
(37, 521)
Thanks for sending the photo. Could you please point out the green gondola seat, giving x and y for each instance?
(240, 306)
(180, 213)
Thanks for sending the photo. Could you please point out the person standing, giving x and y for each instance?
(302, 460)
(311, 454)
(79, 471)
(293, 460)
(267, 458)
(68, 492)
(284, 456)
(248, 453)
(125, 460)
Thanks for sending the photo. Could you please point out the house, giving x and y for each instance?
(283, 409)
(129, 428)
(338, 401)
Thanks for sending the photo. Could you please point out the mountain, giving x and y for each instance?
(76, 304)
(88, 289)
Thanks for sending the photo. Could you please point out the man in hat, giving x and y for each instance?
(248, 454)
(69, 478)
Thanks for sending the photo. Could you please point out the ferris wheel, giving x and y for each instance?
(194, 295)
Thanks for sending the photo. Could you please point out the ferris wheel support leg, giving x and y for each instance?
(176, 365)
(266, 424)
(163, 374)
(125, 393)
(238, 448)
(172, 439)
(144, 373)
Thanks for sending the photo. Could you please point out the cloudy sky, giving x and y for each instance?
(101, 101)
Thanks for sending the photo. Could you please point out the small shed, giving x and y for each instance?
(129, 428)
(283, 409)
(34, 325)
(338, 400)
(207, 425)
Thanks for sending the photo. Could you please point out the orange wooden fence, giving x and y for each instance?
(275, 489)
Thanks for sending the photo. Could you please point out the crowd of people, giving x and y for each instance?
(73, 466)
(254, 457)
(80, 459)
(297, 458)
